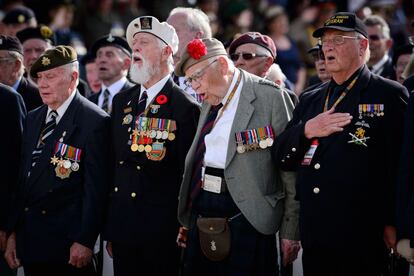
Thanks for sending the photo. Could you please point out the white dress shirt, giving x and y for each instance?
(113, 90)
(379, 66)
(155, 89)
(61, 109)
(217, 140)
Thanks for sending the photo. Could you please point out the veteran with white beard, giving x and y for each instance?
(153, 125)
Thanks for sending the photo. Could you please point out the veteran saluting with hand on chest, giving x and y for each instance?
(60, 199)
(233, 198)
(153, 125)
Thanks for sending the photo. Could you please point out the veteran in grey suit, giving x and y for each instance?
(230, 172)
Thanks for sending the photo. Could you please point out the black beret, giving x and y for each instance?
(18, 15)
(343, 21)
(41, 32)
(52, 58)
(111, 40)
(402, 50)
(255, 38)
(10, 43)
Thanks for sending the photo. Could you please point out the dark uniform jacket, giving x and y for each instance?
(95, 97)
(12, 114)
(347, 192)
(52, 213)
(409, 83)
(405, 203)
(144, 195)
(30, 94)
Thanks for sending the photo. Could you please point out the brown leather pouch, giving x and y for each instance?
(214, 236)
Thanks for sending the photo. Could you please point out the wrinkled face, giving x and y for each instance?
(32, 49)
(185, 35)
(6, 67)
(342, 51)
(378, 44)
(110, 63)
(206, 79)
(252, 64)
(92, 77)
(402, 62)
(55, 86)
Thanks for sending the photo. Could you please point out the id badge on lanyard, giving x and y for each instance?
(307, 159)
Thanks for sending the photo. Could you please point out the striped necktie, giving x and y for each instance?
(105, 103)
(196, 180)
(142, 103)
(47, 130)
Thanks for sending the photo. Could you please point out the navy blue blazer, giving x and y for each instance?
(95, 97)
(12, 114)
(51, 213)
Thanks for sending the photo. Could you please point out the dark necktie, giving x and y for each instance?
(196, 180)
(335, 94)
(47, 130)
(176, 80)
(142, 103)
(105, 103)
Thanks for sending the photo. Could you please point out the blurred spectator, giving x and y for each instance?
(61, 19)
(301, 29)
(380, 44)
(322, 74)
(35, 42)
(96, 18)
(18, 19)
(237, 17)
(277, 24)
(400, 61)
(128, 10)
(91, 72)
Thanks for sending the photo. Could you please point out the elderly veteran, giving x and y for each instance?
(344, 142)
(59, 207)
(113, 59)
(233, 197)
(256, 53)
(12, 70)
(153, 125)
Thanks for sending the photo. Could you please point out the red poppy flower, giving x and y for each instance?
(161, 99)
(196, 49)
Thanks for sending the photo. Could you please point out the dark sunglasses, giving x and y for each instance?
(245, 56)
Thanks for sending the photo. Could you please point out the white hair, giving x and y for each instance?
(197, 20)
(70, 68)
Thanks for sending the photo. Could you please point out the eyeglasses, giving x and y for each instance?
(245, 56)
(197, 75)
(375, 37)
(336, 40)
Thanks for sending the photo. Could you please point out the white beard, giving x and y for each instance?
(143, 74)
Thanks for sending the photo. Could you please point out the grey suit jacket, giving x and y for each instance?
(263, 193)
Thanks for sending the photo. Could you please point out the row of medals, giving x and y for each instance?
(66, 163)
(263, 144)
(148, 135)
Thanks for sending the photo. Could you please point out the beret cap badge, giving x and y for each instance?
(46, 32)
(196, 49)
(45, 61)
(21, 18)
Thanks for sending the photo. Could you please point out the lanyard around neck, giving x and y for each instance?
(349, 87)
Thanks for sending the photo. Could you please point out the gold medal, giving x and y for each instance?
(141, 148)
(148, 148)
(134, 147)
(171, 136)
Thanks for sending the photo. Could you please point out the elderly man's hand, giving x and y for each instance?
(326, 123)
(80, 255)
(10, 254)
(290, 249)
